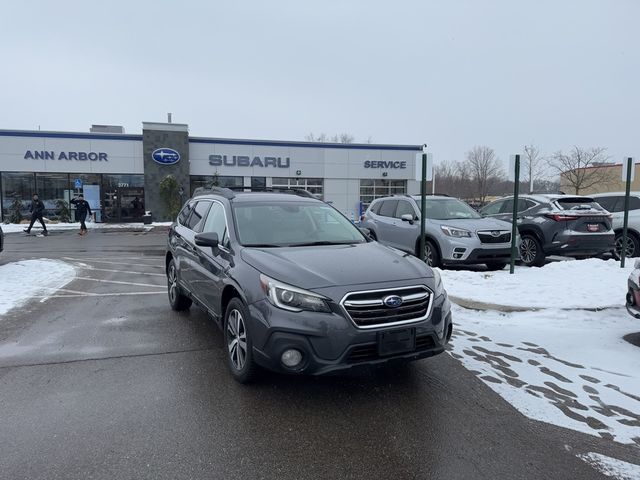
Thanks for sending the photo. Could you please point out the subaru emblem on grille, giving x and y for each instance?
(392, 301)
(495, 233)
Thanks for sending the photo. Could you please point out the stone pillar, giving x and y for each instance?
(164, 139)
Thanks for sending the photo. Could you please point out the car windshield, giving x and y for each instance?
(448, 209)
(292, 224)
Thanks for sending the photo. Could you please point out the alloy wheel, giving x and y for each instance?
(528, 250)
(630, 249)
(428, 255)
(172, 279)
(237, 339)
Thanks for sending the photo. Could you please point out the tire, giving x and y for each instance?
(178, 300)
(431, 254)
(238, 344)
(531, 253)
(495, 266)
(633, 246)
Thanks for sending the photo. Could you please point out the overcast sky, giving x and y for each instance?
(451, 74)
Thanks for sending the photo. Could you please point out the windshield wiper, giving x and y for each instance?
(321, 242)
(262, 245)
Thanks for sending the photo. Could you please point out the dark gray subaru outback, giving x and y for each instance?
(297, 288)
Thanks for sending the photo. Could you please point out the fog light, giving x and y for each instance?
(291, 358)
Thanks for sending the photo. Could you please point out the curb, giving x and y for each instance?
(476, 305)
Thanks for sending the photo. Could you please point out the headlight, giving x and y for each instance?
(455, 232)
(291, 298)
(437, 278)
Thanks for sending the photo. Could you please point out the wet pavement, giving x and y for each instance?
(103, 380)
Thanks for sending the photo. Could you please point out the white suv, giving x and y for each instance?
(614, 203)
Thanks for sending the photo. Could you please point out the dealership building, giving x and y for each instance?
(120, 174)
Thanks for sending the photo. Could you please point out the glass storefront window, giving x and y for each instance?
(17, 186)
(123, 197)
(258, 182)
(370, 189)
(51, 188)
(312, 185)
(219, 181)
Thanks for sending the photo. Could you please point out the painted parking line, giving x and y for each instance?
(89, 267)
(117, 282)
(111, 262)
(115, 294)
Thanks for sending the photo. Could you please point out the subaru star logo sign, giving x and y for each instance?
(165, 156)
(392, 301)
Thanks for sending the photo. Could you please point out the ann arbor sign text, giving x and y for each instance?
(79, 156)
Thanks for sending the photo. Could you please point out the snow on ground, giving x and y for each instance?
(19, 281)
(591, 283)
(37, 228)
(568, 368)
(612, 467)
(554, 363)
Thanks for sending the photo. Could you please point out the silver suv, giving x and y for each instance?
(455, 232)
(614, 203)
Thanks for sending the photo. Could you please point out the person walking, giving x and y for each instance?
(36, 209)
(82, 210)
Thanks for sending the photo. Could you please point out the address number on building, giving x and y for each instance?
(123, 185)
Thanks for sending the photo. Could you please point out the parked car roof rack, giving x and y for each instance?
(230, 192)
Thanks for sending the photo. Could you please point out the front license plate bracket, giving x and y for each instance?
(396, 341)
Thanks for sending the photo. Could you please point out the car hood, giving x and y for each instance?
(475, 224)
(335, 265)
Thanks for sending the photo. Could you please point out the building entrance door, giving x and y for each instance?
(124, 204)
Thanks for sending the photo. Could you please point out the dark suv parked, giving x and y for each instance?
(297, 288)
(568, 225)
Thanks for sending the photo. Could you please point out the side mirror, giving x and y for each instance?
(407, 217)
(209, 239)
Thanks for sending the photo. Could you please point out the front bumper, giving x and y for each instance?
(633, 297)
(485, 255)
(331, 343)
(468, 251)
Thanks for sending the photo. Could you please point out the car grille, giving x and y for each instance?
(368, 352)
(368, 309)
(495, 236)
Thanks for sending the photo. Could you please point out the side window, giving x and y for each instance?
(388, 208)
(634, 203)
(375, 208)
(184, 213)
(524, 204)
(404, 208)
(608, 203)
(493, 208)
(197, 216)
(507, 206)
(216, 223)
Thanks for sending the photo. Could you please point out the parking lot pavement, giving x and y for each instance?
(103, 380)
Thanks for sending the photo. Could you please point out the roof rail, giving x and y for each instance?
(230, 192)
(214, 190)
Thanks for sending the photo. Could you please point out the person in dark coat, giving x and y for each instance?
(82, 210)
(36, 209)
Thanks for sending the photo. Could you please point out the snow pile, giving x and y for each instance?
(37, 228)
(19, 281)
(568, 368)
(591, 283)
(612, 467)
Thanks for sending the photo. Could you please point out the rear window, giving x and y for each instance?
(578, 203)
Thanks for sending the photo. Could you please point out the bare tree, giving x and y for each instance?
(483, 167)
(534, 165)
(582, 168)
(337, 138)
